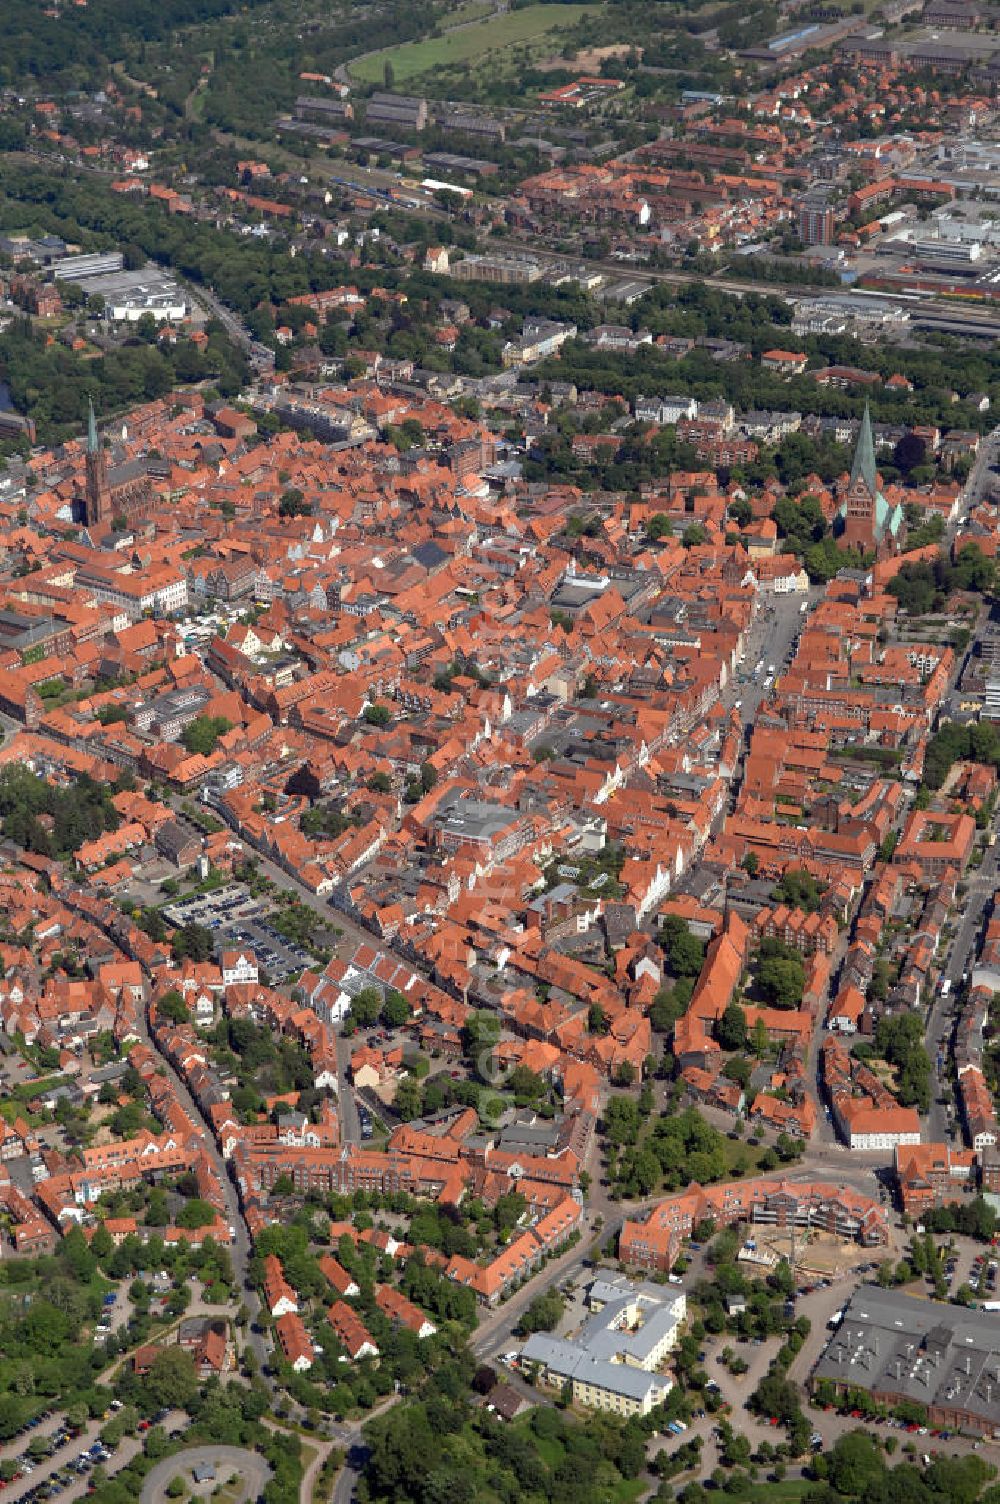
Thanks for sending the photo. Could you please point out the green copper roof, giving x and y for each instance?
(92, 444)
(887, 518)
(863, 467)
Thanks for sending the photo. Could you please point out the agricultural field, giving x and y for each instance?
(470, 43)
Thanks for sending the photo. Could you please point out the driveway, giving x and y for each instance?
(249, 1466)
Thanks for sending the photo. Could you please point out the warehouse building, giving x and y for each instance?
(901, 1348)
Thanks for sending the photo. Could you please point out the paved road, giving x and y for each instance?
(260, 355)
(350, 1123)
(239, 1251)
(981, 889)
(980, 480)
(250, 1466)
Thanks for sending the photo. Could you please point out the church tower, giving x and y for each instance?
(98, 491)
(862, 490)
(867, 521)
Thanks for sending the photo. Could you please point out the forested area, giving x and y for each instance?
(242, 272)
(923, 585)
(953, 743)
(53, 384)
(70, 43)
(49, 820)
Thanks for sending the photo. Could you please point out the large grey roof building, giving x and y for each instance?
(901, 1347)
(611, 1361)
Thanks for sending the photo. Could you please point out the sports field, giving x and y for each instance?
(470, 43)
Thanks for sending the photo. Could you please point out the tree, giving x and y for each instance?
(597, 1019)
(685, 952)
(100, 1244)
(899, 1040)
(781, 974)
(621, 1120)
(201, 735)
(731, 1031)
(294, 504)
(853, 1464)
(173, 1008)
(172, 1382)
(669, 1005)
(799, 889)
(196, 1213)
(909, 452)
(428, 776)
(377, 715)
(526, 1084)
(193, 941)
(408, 1101)
(366, 1006)
(543, 1314)
(395, 1010)
(758, 1038)
(388, 74)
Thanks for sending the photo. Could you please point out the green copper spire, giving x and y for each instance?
(92, 442)
(863, 467)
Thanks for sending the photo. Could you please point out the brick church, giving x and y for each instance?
(866, 520)
(122, 491)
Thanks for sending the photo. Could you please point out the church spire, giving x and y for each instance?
(863, 468)
(92, 440)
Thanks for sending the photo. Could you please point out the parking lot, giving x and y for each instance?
(75, 1453)
(236, 919)
(229, 905)
(279, 957)
(768, 649)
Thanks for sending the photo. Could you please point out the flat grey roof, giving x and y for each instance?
(925, 1351)
(571, 1362)
(606, 1351)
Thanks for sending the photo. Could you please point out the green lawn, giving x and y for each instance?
(470, 43)
(788, 1491)
(628, 1490)
(463, 14)
(549, 1448)
(738, 1151)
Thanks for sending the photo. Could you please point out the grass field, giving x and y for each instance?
(470, 43)
(788, 1491)
(474, 10)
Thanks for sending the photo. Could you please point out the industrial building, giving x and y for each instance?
(84, 267)
(128, 295)
(901, 1347)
